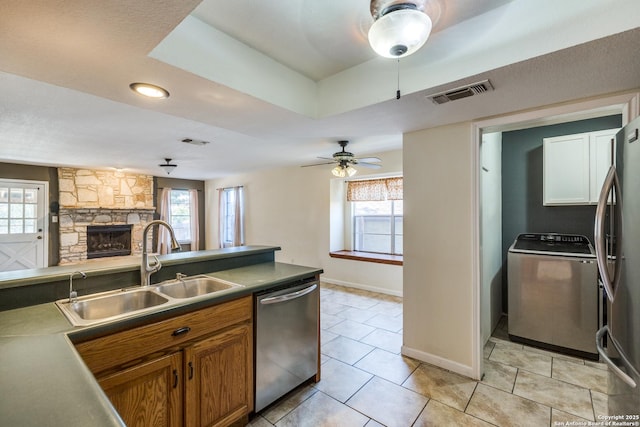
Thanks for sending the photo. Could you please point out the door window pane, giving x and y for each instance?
(30, 211)
(29, 225)
(16, 226)
(16, 210)
(16, 195)
(30, 195)
(4, 195)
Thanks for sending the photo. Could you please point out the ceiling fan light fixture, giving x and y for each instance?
(339, 172)
(168, 166)
(149, 90)
(343, 171)
(399, 31)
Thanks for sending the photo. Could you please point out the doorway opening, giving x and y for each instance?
(492, 237)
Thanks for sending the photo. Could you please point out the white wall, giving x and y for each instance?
(293, 208)
(490, 232)
(439, 188)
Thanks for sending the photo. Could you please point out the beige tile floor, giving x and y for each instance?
(366, 382)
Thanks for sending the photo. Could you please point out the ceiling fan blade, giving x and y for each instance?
(317, 164)
(369, 165)
(369, 160)
(326, 158)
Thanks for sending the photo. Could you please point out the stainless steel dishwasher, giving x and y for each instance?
(287, 332)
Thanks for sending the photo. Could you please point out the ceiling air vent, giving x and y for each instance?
(194, 141)
(461, 92)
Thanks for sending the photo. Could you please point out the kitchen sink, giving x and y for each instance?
(189, 287)
(115, 305)
(102, 307)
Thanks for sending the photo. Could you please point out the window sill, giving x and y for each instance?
(368, 257)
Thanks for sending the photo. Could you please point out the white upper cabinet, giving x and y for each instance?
(575, 167)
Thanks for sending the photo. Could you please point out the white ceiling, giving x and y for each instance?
(277, 83)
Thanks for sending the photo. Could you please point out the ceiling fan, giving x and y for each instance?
(345, 161)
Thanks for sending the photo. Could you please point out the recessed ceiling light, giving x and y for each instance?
(149, 90)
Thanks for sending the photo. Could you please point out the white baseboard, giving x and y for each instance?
(361, 286)
(438, 361)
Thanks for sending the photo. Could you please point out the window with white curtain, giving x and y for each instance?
(179, 208)
(180, 214)
(231, 217)
(377, 214)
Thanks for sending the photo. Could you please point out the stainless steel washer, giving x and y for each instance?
(553, 292)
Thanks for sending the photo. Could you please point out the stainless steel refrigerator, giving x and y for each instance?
(617, 241)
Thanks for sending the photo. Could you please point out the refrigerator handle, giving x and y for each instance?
(611, 186)
(603, 354)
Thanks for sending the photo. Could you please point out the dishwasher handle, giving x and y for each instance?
(288, 297)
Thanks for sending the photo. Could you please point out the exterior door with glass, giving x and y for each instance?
(23, 233)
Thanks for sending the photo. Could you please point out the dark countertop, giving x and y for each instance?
(45, 382)
(106, 266)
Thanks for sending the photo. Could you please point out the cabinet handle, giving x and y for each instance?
(181, 331)
(175, 378)
(190, 370)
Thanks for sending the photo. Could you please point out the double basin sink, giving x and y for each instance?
(115, 305)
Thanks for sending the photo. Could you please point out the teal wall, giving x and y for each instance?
(522, 180)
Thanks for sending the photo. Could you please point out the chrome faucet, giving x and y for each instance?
(146, 270)
(73, 295)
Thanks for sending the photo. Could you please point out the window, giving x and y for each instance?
(18, 213)
(377, 226)
(180, 214)
(231, 227)
(376, 210)
(179, 207)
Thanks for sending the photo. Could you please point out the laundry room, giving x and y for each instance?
(525, 202)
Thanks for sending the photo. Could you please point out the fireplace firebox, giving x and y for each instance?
(108, 240)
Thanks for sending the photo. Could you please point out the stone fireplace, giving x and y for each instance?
(95, 198)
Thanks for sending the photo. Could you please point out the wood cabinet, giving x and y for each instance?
(195, 369)
(575, 167)
(149, 394)
(219, 378)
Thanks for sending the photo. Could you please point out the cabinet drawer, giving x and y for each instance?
(123, 347)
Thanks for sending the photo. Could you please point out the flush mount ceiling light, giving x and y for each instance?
(149, 90)
(400, 27)
(168, 166)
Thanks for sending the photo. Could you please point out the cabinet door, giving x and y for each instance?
(566, 170)
(602, 144)
(219, 378)
(149, 394)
